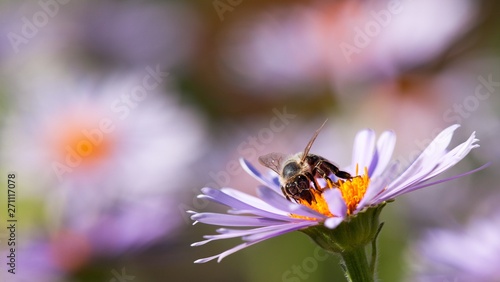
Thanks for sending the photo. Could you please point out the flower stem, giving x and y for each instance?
(374, 249)
(356, 265)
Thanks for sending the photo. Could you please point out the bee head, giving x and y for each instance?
(297, 185)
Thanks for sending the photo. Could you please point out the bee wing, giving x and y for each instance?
(273, 161)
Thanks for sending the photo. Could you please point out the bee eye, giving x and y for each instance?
(290, 169)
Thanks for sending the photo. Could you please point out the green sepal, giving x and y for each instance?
(354, 232)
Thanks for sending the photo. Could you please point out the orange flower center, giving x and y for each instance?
(352, 191)
(77, 141)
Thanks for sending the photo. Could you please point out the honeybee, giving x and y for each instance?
(297, 172)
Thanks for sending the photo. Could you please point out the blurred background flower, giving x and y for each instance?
(347, 42)
(234, 79)
(469, 253)
(105, 160)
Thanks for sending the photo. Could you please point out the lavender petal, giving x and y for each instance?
(279, 231)
(233, 220)
(336, 203)
(268, 235)
(264, 179)
(283, 204)
(385, 148)
(423, 185)
(252, 200)
(333, 222)
(364, 149)
(222, 198)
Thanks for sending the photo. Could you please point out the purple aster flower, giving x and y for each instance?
(271, 214)
(469, 254)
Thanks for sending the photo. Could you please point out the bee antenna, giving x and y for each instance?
(309, 145)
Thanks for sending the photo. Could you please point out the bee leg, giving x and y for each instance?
(317, 186)
(330, 183)
(322, 173)
(343, 174)
(323, 166)
(285, 193)
(314, 181)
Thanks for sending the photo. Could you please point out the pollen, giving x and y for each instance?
(352, 191)
(318, 204)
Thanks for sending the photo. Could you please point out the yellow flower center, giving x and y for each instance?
(352, 191)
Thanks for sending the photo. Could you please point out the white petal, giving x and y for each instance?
(377, 187)
(385, 148)
(454, 156)
(430, 168)
(425, 163)
(335, 202)
(281, 203)
(240, 206)
(251, 200)
(374, 188)
(265, 179)
(281, 230)
(333, 222)
(363, 150)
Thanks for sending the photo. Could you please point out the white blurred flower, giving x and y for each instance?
(114, 136)
(105, 160)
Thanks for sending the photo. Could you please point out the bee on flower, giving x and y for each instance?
(338, 209)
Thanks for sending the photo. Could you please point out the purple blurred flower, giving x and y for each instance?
(35, 262)
(84, 235)
(468, 254)
(271, 214)
(139, 33)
